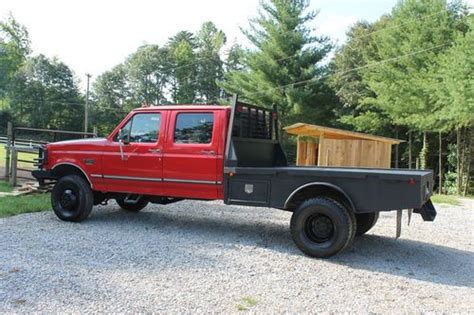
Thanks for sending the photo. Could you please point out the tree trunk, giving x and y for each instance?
(396, 150)
(410, 154)
(440, 162)
(424, 152)
(458, 161)
(466, 161)
(466, 183)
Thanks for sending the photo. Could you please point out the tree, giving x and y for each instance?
(414, 35)
(183, 67)
(452, 87)
(210, 70)
(112, 98)
(14, 49)
(347, 70)
(148, 71)
(44, 94)
(235, 58)
(285, 52)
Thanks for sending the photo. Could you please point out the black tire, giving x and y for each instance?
(365, 221)
(132, 207)
(322, 227)
(72, 198)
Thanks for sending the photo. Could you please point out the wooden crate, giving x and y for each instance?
(323, 146)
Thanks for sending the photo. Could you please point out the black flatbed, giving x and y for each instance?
(257, 173)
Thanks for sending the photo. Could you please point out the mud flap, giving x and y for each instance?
(427, 211)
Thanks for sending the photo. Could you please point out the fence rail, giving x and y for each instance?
(22, 142)
(15, 145)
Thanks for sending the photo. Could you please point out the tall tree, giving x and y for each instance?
(285, 52)
(112, 98)
(453, 92)
(235, 58)
(149, 71)
(348, 67)
(44, 93)
(416, 33)
(183, 67)
(14, 49)
(210, 70)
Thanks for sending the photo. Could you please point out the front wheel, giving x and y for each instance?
(322, 227)
(72, 198)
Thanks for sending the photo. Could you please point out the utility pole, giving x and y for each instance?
(86, 109)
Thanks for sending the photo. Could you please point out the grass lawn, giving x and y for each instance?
(10, 206)
(446, 199)
(21, 156)
(5, 187)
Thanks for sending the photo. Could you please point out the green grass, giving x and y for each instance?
(21, 156)
(247, 302)
(13, 205)
(5, 187)
(446, 199)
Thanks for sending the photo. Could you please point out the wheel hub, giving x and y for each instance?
(319, 228)
(68, 199)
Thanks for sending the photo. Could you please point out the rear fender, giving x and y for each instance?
(322, 185)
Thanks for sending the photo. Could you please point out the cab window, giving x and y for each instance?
(141, 128)
(194, 128)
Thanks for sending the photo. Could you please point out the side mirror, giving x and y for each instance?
(121, 143)
(123, 138)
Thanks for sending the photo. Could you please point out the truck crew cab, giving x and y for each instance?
(164, 154)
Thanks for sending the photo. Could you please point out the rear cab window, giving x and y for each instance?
(194, 128)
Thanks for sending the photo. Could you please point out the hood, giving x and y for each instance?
(78, 143)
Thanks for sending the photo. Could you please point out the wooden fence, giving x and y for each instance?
(15, 145)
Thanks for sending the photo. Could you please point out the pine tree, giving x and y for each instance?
(210, 70)
(285, 52)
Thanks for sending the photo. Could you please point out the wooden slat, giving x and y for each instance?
(302, 129)
(320, 150)
(354, 153)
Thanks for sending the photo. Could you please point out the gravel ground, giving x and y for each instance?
(202, 256)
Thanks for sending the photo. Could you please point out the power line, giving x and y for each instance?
(376, 31)
(284, 86)
(315, 80)
(404, 23)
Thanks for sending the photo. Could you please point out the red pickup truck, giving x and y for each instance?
(164, 154)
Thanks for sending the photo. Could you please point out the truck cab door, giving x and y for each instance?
(190, 155)
(134, 163)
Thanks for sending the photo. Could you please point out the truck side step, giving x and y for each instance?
(132, 199)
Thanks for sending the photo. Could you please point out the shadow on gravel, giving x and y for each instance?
(228, 229)
(410, 259)
(402, 257)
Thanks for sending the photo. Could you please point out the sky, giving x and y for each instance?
(92, 36)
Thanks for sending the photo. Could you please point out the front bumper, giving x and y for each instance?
(42, 175)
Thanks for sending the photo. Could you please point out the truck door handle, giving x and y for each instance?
(154, 150)
(209, 152)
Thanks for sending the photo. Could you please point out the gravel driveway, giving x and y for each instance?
(202, 256)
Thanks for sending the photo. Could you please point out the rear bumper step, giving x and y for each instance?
(427, 211)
